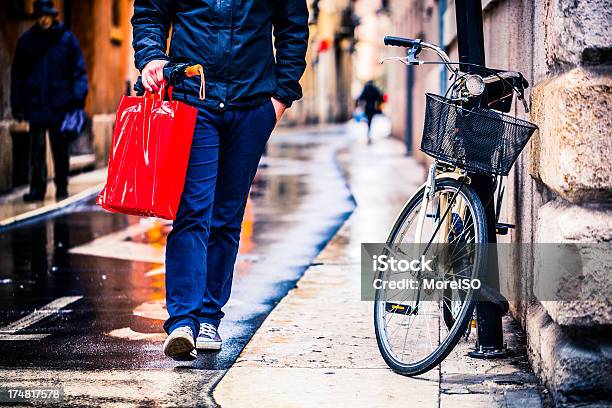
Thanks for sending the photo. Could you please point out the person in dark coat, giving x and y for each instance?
(247, 88)
(371, 97)
(48, 80)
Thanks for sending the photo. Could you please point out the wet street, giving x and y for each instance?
(82, 290)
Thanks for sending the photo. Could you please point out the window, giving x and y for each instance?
(116, 33)
(116, 14)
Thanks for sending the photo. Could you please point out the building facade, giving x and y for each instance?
(104, 33)
(327, 82)
(560, 190)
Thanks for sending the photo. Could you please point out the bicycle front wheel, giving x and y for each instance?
(417, 329)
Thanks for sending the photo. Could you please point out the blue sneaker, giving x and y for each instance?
(209, 338)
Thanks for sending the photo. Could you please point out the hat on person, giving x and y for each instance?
(44, 8)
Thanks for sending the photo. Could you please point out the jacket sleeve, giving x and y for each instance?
(151, 25)
(291, 42)
(80, 87)
(18, 69)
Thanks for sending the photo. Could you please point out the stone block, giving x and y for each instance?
(572, 152)
(574, 368)
(575, 32)
(575, 288)
(560, 221)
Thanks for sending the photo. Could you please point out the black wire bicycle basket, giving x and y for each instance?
(478, 140)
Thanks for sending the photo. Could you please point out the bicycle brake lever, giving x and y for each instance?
(413, 54)
(525, 105)
(410, 59)
(403, 60)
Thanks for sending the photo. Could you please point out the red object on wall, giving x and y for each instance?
(323, 46)
(149, 156)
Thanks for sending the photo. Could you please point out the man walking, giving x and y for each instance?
(372, 97)
(48, 80)
(248, 87)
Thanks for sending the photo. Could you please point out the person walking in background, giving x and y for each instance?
(248, 87)
(372, 98)
(48, 80)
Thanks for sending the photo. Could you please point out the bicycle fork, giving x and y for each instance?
(428, 194)
(430, 188)
(445, 221)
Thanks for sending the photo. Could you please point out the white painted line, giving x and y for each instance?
(157, 271)
(37, 315)
(53, 206)
(22, 337)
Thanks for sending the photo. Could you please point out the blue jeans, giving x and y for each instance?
(203, 244)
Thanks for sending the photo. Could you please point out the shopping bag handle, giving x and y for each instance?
(160, 95)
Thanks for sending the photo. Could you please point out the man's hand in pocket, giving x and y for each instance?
(279, 108)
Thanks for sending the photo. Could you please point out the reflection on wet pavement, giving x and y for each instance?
(12, 205)
(114, 265)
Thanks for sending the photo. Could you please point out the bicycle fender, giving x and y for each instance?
(455, 176)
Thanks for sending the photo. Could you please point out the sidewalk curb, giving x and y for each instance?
(52, 207)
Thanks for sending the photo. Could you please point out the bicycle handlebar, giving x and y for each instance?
(401, 42)
(419, 44)
(515, 80)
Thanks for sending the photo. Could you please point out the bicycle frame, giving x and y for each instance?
(437, 171)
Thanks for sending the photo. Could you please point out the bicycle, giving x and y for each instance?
(445, 219)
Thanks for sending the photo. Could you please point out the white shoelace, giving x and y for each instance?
(208, 330)
(184, 329)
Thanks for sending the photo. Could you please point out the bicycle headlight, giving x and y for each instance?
(475, 85)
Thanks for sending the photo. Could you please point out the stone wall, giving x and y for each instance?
(571, 162)
(560, 189)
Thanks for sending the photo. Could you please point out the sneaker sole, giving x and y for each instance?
(207, 345)
(180, 348)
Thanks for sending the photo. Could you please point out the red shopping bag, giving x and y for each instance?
(149, 156)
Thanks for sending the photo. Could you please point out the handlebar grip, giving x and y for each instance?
(401, 42)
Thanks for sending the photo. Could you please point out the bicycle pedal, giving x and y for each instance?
(502, 228)
(399, 309)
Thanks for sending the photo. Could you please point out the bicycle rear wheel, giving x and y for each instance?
(416, 330)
